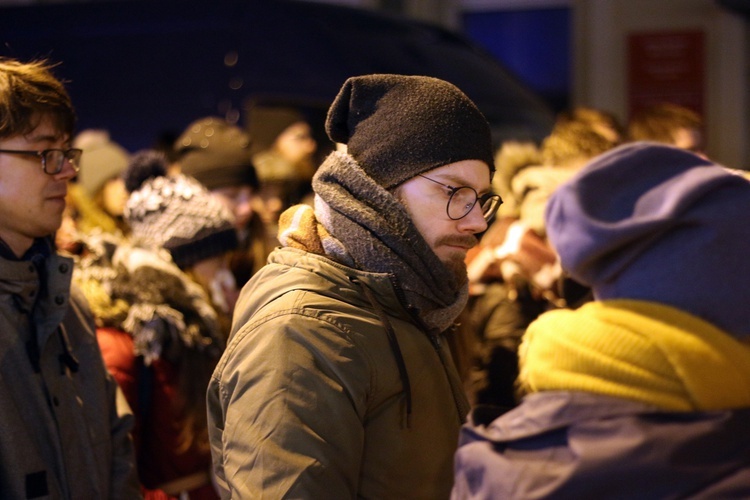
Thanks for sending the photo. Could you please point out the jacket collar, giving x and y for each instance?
(339, 278)
(43, 285)
(547, 411)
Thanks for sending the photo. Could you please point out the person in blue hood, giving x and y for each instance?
(645, 391)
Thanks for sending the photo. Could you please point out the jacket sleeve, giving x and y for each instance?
(123, 481)
(117, 351)
(286, 409)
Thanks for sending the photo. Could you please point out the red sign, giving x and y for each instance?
(666, 67)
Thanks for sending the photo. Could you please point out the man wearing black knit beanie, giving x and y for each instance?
(337, 381)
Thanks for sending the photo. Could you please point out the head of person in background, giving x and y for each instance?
(218, 155)
(601, 121)
(669, 123)
(577, 136)
(65, 425)
(580, 134)
(102, 165)
(96, 197)
(284, 155)
(510, 158)
(178, 214)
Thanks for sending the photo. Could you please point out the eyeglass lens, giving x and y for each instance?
(54, 159)
(490, 206)
(463, 200)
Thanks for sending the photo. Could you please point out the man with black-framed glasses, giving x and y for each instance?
(64, 426)
(337, 381)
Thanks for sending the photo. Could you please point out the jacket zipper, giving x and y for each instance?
(436, 344)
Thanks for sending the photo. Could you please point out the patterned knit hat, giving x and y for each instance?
(175, 212)
(216, 153)
(656, 223)
(398, 126)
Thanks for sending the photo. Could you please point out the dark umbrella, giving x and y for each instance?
(142, 68)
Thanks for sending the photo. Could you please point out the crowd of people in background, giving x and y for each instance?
(423, 314)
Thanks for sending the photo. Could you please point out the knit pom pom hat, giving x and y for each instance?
(175, 212)
(398, 126)
(656, 223)
(216, 153)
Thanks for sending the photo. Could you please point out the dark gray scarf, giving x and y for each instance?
(372, 231)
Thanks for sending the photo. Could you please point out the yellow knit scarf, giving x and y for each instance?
(637, 350)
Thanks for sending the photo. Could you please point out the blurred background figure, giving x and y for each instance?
(102, 164)
(96, 198)
(669, 124)
(163, 304)
(218, 155)
(284, 156)
(578, 135)
(511, 158)
(176, 213)
(514, 275)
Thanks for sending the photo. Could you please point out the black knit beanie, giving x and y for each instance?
(398, 126)
(216, 153)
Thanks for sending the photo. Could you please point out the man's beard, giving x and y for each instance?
(457, 267)
(455, 264)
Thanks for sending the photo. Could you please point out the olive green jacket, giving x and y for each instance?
(308, 400)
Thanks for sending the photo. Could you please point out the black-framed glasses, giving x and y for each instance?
(53, 160)
(463, 198)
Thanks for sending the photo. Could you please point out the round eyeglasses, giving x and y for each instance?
(53, 160)
(463, 198)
